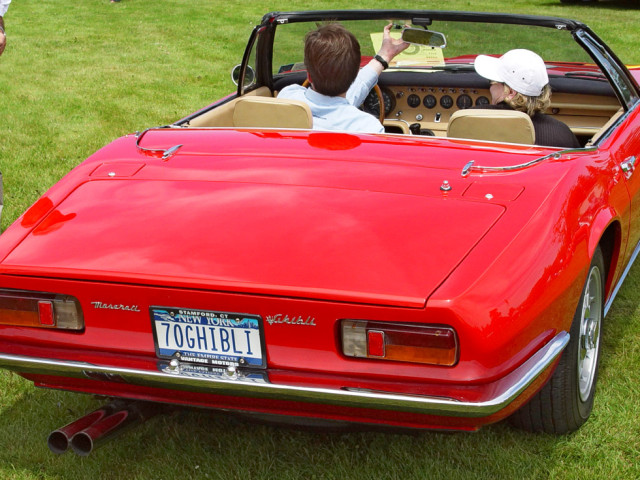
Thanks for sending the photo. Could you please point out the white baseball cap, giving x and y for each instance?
(522, 70)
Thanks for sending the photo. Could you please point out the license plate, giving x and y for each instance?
(208, 337)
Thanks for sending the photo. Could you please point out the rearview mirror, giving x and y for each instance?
(424, 37)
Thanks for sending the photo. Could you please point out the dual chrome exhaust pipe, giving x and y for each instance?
(90, 431)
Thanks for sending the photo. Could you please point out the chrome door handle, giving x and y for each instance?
(628, 166)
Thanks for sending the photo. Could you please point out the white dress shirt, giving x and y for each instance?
(4, 5)
(339, 113)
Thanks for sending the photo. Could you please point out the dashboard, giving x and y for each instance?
(426, 101)
(426, 109)
(430, 106)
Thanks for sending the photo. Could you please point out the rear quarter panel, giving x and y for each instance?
(510, 301)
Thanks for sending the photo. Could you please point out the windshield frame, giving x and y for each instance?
(594, 48)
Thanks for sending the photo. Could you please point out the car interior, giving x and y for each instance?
(442, 100)
(421, 110)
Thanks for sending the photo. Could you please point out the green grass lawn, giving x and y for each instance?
(79, 73)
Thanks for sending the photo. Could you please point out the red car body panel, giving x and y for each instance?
(320, 227)
(356, 224)
(184, 202)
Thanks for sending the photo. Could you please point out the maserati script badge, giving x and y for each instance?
(299, 320)
(116, 306)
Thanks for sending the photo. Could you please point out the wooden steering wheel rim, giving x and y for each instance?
(376, 89)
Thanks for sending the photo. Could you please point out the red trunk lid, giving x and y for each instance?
(304, 241)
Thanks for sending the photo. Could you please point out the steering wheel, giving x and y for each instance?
(376, 89)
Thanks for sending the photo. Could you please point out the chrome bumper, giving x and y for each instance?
(509, 387)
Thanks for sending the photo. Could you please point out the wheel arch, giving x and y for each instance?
(610, 241)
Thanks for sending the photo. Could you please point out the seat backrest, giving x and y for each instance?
(269, 112)
(493, 125)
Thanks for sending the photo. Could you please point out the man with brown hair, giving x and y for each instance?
(337, 85)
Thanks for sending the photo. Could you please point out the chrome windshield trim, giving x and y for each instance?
(509, 387)
(471, 167)
(164, 153)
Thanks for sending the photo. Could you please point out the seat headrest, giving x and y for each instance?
(493, 125)
(268, 112)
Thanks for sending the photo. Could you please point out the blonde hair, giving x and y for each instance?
(527, 104)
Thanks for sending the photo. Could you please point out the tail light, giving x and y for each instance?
(433, 345)
(39, 309)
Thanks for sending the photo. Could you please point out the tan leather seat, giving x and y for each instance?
(268, 112)
(493, 125)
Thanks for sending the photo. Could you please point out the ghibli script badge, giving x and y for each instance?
(299, 320)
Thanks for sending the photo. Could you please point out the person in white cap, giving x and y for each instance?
(519, 81)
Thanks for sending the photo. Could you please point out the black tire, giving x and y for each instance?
(566, 401)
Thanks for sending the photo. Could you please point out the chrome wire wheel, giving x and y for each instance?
(589, 339)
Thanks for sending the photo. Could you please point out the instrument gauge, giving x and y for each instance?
(413, 100)
(482, 101)
(464, 101)
(446, 101)
(372, 105)
(429, 101)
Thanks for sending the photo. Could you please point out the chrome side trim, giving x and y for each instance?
(470, 167)
(508, 388)
(635, 253)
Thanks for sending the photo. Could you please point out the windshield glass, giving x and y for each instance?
(464, 41)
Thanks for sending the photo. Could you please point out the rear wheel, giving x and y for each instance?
(565, 402)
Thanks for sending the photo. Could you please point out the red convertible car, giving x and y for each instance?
(427, 276)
